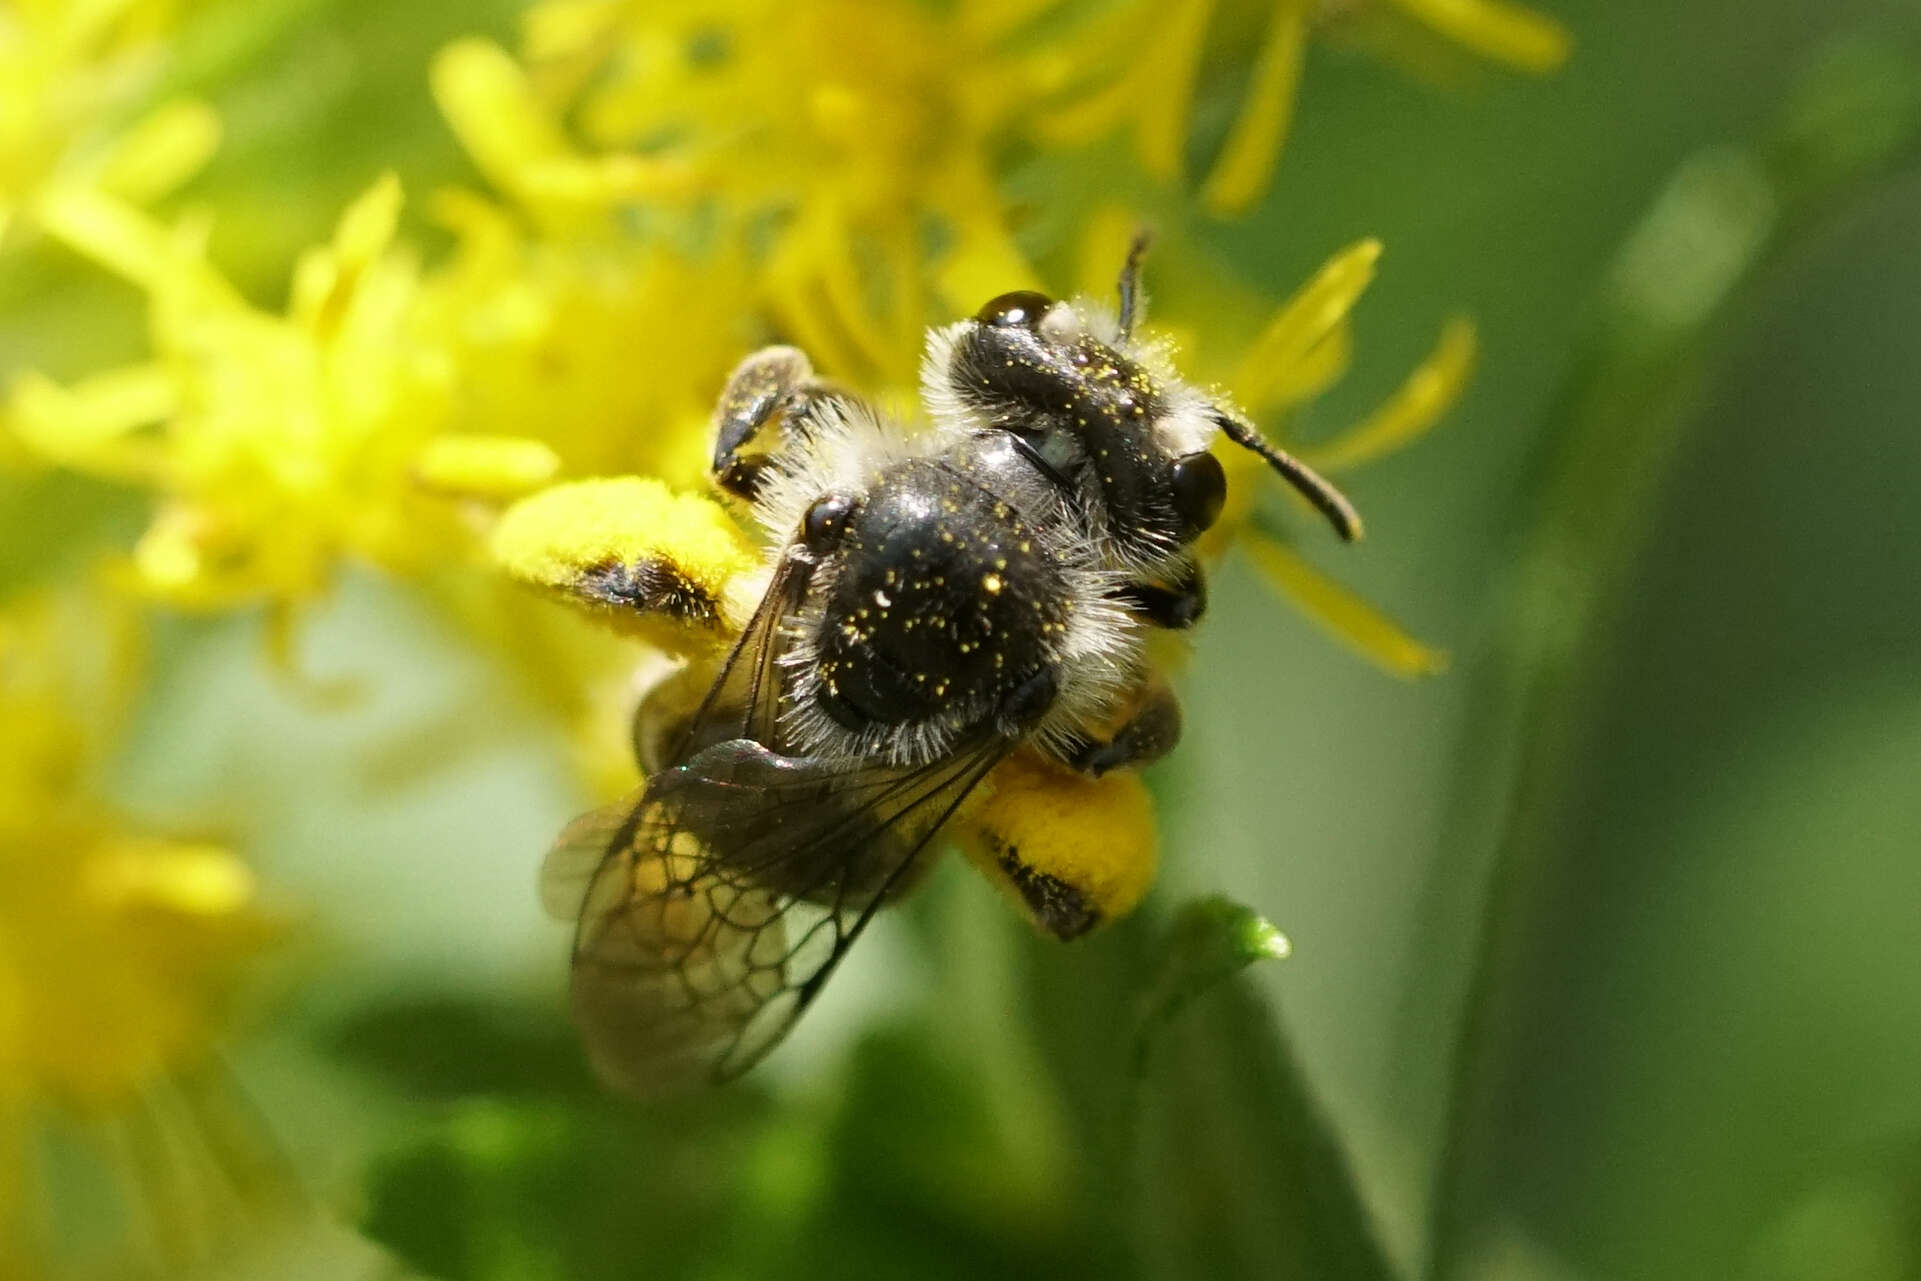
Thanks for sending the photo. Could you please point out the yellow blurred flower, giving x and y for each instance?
(850, 147)
(119, 950)
(74, 79)
(1301, 350)
(1152, 52)
(276, 443)
(606, 349)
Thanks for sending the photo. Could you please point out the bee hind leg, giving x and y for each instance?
(1150, 732)
(1176, 606)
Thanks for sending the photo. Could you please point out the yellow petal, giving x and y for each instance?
(367, 227)
(1302, 322)
(984, 262)
(1415, 407)
(86, 425)
(486, 466)
(1349, 618)
(1253, 146)
(1089, 118)
(1503, 32)
(561, 28)
(494, 112)
(162, 151)
(1164, 90)
(1320, 367)
(1104, 242)
(127, 242)
(193, 880)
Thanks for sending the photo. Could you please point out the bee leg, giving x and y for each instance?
(1146, 736)
(1175, 606)
(775, 387)
(1129, 286)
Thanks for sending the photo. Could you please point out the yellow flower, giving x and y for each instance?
(1302, 349)
(119, 950)
(607, 349)
(1153, 52)
(278, 443)
(73, 80)
(851, 147)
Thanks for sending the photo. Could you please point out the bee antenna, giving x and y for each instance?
(1130, 282)
(1314, 487)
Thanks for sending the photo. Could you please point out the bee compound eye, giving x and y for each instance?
(826, 518)
(1200, 489)
(1021, 309)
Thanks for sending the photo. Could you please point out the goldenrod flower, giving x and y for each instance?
(1151, 54)
(73, 80)
(277, 443)
(1302, 349)
(851, 146)
(607, 349)
(119, 950)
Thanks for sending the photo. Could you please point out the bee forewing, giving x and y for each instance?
(718, 907)
(577, 854)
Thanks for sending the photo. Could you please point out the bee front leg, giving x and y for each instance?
(1149, 733)
(765, 404)
(1175, 605)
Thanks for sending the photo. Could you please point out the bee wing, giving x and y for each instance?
(745, 700)
(577, 854)
(723, 901)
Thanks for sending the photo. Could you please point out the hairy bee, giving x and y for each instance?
(936, 601)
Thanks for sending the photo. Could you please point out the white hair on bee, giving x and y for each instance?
(1185, 424)
(1064, 322)
(846, 445)
(947, 410)
(1097, 657)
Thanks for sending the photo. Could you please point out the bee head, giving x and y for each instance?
(1103, 416)
(1126, 439)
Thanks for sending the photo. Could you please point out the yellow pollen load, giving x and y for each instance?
(1095, 836)
(991, 584)
(568, 539)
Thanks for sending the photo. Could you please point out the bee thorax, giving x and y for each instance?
(945, 599)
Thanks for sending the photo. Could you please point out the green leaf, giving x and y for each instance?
(440, 1047)
(500, 1189)
(1236, 1171)
(1213, 939)
(1678, 287)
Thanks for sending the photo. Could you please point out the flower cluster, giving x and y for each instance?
(75, 80)
(119, 949)
(665, 186)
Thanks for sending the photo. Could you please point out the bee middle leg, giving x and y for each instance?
(1175, 605)
(1150, 732)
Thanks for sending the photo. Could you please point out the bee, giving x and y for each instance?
(936, 601)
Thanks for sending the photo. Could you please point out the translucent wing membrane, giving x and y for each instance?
(745, 701)
(718, 906)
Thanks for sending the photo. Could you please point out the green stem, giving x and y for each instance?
(1620, 423)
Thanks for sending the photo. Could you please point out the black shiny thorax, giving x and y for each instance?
(944, 600)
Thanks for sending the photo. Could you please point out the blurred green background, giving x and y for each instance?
(1606, 944)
